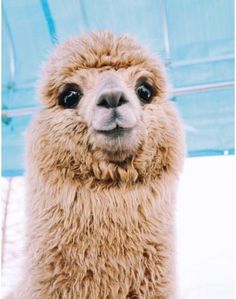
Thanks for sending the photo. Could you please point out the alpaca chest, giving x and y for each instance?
(98, 244)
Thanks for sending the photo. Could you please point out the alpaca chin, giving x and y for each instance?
(117, 146)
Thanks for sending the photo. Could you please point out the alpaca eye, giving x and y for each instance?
(70, 97)
(144, 92)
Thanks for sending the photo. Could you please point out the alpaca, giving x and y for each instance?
(102, 163)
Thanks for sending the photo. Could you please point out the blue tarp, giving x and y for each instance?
(194, 38)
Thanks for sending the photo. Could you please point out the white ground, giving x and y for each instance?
(205, 227)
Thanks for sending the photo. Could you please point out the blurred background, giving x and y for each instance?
(195, 39)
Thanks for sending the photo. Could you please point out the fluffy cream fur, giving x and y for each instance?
(101, 226)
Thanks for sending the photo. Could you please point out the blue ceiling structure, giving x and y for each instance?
(195, 39)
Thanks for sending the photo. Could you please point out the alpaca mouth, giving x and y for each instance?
(116, 132)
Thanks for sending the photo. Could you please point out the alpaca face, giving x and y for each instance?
(112, 110)
(107, 98)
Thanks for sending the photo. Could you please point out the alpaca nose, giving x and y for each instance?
(112, 99)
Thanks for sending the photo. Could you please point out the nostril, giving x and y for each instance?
(112, 99)
(122, 101)
(103, 103)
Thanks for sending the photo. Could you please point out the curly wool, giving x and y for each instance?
(96, 228)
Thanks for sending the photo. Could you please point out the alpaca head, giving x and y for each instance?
(106, 111)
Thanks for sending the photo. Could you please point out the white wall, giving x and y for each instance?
(205, 227)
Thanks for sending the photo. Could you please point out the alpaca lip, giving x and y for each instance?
(116, 132)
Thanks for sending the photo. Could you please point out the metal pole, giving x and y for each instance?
(200, 88)
(165, 32)
(4, 225)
